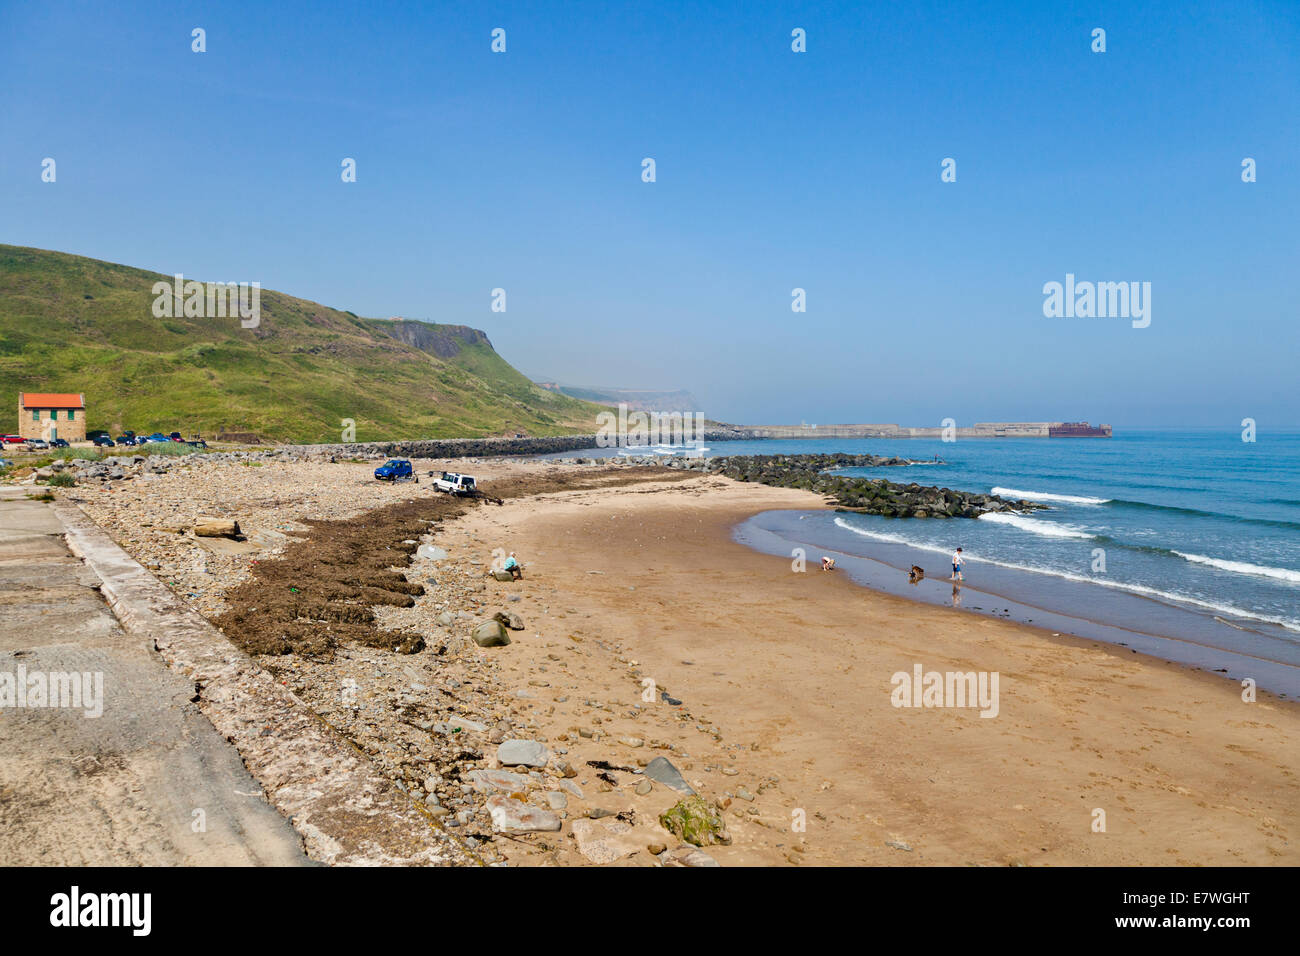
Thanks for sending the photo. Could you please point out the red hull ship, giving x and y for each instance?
(1077, 430)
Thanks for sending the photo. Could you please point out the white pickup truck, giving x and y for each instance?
(455, 484)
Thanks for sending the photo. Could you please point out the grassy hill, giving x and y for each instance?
(72, 324)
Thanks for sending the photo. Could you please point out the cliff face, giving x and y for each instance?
(444, 341)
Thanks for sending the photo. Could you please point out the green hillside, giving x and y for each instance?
(72, 324)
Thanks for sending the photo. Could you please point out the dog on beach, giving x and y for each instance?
(915, 575)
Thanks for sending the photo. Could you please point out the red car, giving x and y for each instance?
(12, 439)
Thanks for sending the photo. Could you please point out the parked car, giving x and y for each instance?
(455, 484)
(157, 436)
(175, 436)
(104, 442)
(59, 443)
(37, 444)
(397, 469)
(122, 440)
(12, 439)
(197, 443)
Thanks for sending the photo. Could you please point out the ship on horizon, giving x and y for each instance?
(1077, 430)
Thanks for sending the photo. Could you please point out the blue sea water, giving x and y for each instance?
(1188, 535)
(1201, 517)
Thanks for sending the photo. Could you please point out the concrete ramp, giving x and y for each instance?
(104, 759)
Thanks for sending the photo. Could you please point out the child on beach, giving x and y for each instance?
(828, 563)
(957, 562)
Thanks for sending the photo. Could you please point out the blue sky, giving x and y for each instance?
(775, 170)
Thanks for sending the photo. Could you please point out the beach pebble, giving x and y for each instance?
(688, 856)
(510, 620)
(509, 815)
(486, 781)
(605, 842)
(526, 753)
(661, 770)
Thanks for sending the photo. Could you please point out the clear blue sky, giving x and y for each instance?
(775, 170)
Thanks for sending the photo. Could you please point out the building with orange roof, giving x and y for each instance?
(51, 415)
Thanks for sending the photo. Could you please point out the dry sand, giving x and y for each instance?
(787, 680)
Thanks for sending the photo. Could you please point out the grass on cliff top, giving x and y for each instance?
(72, 324)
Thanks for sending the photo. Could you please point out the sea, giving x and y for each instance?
(1184, 544)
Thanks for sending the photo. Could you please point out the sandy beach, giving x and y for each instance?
(793, 671)
(785, 717)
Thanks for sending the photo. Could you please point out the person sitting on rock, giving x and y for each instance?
(514, 567)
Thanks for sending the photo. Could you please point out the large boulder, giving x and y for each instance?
(491, 634)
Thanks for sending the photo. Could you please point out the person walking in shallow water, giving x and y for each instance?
(957, 562)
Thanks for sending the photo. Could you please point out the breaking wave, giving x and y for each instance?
(1046, 528)
(1243, 567)
(1048, 496)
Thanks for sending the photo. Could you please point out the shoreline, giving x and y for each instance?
(782, 679)
(1085, 609)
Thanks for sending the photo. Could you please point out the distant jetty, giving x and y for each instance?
(978, 430)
